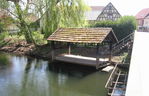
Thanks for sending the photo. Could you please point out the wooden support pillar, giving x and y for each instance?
(69, 48)
(97, 56)
(52, 50)
(110, 50)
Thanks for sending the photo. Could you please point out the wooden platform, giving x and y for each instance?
(76, 59)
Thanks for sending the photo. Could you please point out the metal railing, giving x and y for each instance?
(123, 43)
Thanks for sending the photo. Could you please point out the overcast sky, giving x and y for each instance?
(125, 7)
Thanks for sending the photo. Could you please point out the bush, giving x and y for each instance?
(3, 35)
(38, 37)
(126, 25)
(122, 27)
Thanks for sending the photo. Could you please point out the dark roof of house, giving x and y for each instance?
(83, 35)
(143, 13)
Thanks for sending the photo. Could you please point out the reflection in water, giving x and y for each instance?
(34, 77)
(3, 60)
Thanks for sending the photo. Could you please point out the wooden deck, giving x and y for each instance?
(76, 59)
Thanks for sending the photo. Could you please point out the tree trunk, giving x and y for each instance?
(23, 25)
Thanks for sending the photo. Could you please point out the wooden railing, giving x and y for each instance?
(116, 83)
(110, 80)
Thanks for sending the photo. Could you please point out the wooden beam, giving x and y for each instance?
(97, 56)
(110, 54)
(69, 47)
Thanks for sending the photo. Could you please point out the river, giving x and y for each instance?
(26, 76)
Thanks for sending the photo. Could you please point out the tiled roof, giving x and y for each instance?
(3, 13)
(82, 35)
(94, 12)
(142, 14)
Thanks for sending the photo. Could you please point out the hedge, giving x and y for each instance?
(122, 27)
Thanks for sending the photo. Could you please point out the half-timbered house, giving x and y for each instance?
(102, 13)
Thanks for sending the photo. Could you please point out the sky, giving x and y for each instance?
(125, 7)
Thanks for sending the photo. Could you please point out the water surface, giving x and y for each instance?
(25, 76)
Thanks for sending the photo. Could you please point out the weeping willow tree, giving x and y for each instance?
(63, 13)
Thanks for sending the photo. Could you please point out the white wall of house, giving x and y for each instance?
(146, 22)
(140, 22)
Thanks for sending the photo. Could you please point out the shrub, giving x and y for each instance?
(122, 27)
(38, 37)
(1, 27)
(3, 35)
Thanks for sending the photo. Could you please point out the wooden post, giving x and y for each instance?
(69, 48)
(97, 54)
(110, 54)
(52, 52)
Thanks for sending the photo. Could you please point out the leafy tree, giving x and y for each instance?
(5, 21)
(3, 5)
(52, 14)
(126, 25)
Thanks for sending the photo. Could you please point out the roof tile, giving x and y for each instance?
(80, 35)
(142, 14)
